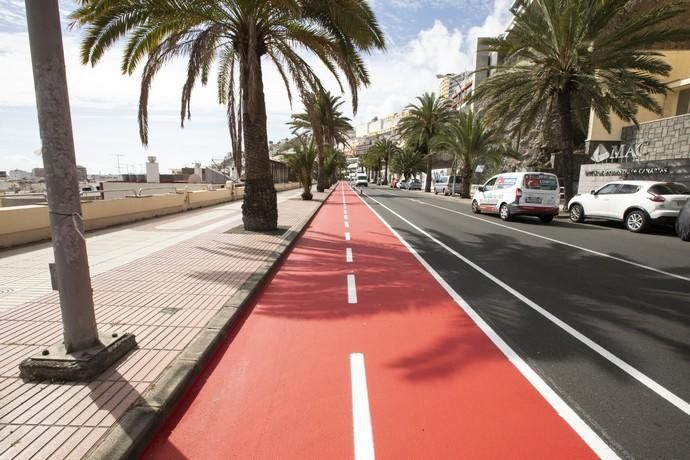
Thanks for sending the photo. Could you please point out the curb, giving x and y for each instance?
(130, 435)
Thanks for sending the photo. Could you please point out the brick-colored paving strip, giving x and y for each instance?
(176, 303)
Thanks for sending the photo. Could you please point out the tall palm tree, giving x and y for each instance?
(573, 54)
(236, 35)
(469, 140)
(407, 161)
(385, 149)
(422, 122)
(301, 162)
(324, 120)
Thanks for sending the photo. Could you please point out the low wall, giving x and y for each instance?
(29, 224)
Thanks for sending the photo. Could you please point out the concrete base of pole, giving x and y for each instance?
(56, 365)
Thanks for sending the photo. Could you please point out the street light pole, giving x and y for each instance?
(62, 183)
(82, 352)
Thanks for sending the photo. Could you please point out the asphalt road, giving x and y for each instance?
(601, 314)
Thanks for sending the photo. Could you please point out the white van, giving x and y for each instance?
(362, 180)
(445, 185)
(524, 193)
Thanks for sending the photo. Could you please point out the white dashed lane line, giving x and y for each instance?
(361, 415)
(351, 289)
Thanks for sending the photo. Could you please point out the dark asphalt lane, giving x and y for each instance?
(640, 316)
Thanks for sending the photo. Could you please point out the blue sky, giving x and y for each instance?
(425, 37)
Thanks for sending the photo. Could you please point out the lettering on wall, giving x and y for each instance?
(619, 152)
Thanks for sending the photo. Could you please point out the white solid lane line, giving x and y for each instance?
(553, 240)
(672, 398)
(347, 236)
(351, 289)
(348, 255)
(361, 416)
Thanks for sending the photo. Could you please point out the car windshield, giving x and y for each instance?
(541, 182)
(669, 189)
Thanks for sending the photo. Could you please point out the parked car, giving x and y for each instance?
(362, 180)
(394, 183)
(448, 185)
(683, 223)
(638, 204)
(524, 193)
(413, 184)
(401, 184)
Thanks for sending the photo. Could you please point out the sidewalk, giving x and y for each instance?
(174, 282)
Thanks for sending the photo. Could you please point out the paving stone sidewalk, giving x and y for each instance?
(167, 299)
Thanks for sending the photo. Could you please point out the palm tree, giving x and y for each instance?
(385, 149)
(236, 35)
(407, 161)
(334, 164)
(324, 120)
(469, 141)
(572, 54)
(301, 162)
(422, 122)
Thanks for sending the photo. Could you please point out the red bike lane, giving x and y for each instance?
(356, 354)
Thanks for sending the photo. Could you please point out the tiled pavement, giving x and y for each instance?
(161, 280)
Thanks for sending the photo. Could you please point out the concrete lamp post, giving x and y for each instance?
(84, 352)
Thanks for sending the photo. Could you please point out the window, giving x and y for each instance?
(540, 182)
(490, 185)
(609, 189)
(683, 102)
(668, 189)
(628, 189)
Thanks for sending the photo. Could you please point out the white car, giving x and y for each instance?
(362, 180)
(524, 193)
(636, 203)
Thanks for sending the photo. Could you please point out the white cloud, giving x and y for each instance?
(408, 70)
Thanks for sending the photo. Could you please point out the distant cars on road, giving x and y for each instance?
(401, 184)
(521, 193)
(413, 184)
(638, 204)
(362, 180)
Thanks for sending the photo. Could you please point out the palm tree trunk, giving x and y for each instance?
(567, 142)
(466, 180)
(260, 208)
(320, 175)
(385, 177)
(427, 184)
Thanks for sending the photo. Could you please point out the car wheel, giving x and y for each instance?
(637, 221)
(546, 219)
(577, 214)
(445, 192)
(435, 192)
(504, 212)
(475, 207)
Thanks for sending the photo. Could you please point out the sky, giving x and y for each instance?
(424, 38)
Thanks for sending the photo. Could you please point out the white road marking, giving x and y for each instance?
(347, 236)
(351, 289)
(600, 448)
(348, 255)
(672, 398)
(347, 224)
(553, 240)
(361, 417)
